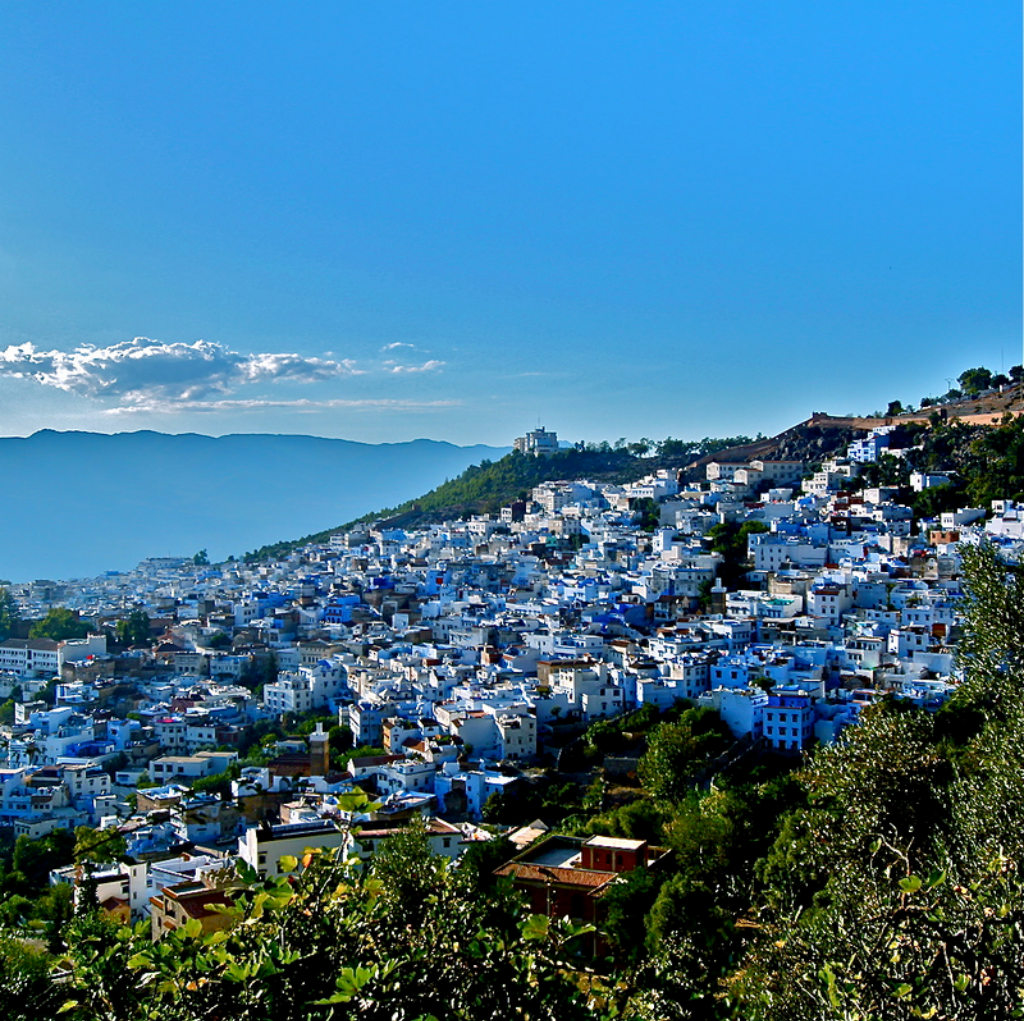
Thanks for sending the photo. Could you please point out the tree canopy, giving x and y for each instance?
(10, 615)
(408, 938)
(60, 624)
(135, 629)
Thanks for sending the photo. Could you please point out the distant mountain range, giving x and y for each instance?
(76, 504)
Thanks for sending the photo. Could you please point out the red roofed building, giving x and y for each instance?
(566, 876)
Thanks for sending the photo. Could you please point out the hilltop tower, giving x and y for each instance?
(319, 752)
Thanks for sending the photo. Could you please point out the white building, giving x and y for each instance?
(539, 443)
(30, 656)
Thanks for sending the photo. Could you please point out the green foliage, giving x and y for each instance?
(677, 751)
(26, 992)
(896, 944)
(689, 909)
(997, 464)
(10, 614)
(650, 513)
(307, 726)
(217, 783)
(135, 630)
(730, 539)
(497, 810)
(886, 471)
(218, 641)
(556, 803)
(700, 834)
(973, 381)
(98, 846)
(988, 459)
(626, 905)
(480, 859)
(993, 612)
(60, 624)
(935, 500)
(328, 945)
(619, 732)
(896, 892)
(642, 819)
(340, 738)
(255, 735)
(97, 954)
(27, 862)
(364, 751)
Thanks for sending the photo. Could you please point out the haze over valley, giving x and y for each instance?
(78, 503)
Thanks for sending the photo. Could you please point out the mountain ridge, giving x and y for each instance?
(69, 493)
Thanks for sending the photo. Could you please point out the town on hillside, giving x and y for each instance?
(455, 673)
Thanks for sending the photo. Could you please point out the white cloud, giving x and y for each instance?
(301, 405)
(429, 366)
(141, 371)
(397, 344)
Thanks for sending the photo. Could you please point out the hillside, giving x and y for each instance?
(486, 487)
(977, 438)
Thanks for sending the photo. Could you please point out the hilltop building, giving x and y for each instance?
(539, 442)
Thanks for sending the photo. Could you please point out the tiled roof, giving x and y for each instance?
(549, 874)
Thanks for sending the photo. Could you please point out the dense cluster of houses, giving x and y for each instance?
(464, 653)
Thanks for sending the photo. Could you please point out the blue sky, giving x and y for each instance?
(459, 220)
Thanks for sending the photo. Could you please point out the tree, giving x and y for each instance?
(973, 381)
(328, 944)
(10, 614)
(650, 513)
(670, 448)
(201, 559)
(60, 624)
(995, 463)
(98, 846)
(732, 541)
(896, 893)
(35, 859)
(931, 502)
(26, 992)
(676, 751)
(626, 905)
(992, 646)
(135, 630)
